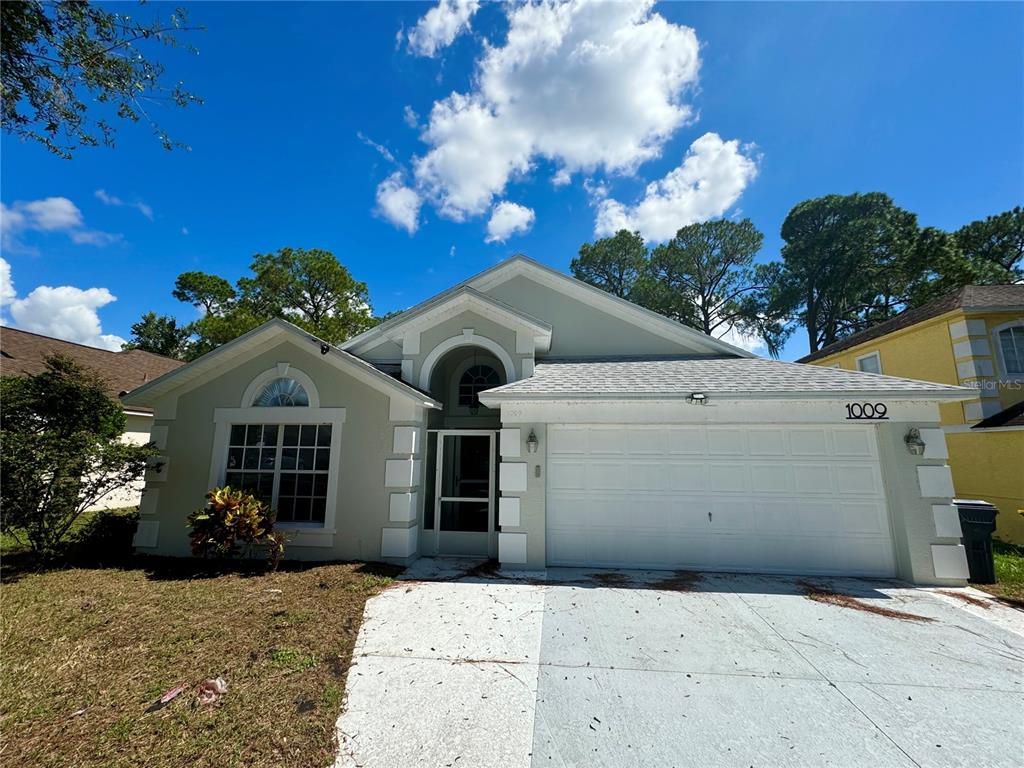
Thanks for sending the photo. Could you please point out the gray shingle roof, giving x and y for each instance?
(680, 376)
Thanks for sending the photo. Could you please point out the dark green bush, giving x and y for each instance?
(106, 537)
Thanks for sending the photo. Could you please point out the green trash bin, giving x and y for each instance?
(977, 523)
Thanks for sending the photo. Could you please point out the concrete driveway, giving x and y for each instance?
(585, 668)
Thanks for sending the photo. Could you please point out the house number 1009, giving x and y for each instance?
(866, 411)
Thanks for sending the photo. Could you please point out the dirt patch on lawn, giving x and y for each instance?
(820, 594)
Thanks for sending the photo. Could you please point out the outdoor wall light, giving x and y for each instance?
(531, 442)
(697, 398)
(914, 442)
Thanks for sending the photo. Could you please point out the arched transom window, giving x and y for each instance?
(475, 380)
(282, 392)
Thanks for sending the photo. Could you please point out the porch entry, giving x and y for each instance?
(461, 520)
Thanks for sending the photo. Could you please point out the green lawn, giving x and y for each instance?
(87, 651)
(1009, 560)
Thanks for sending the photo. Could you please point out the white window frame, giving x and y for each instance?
(460, 370)
(281, 371)
(1005, 375)
(224, 418)
(875, 355)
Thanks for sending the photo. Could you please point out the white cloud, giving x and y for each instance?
(711, 178)
(65, 312)
(11, 222)
(380, 148)
(586, 85)
(92, 237)
(753, 344)
(108, 199)
(399, 203)
(410, 117)
(184, 231)
(50, 214)
(439, 26)
(508, 219)
(7, 292)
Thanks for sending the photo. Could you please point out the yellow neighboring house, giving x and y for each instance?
(973, 337)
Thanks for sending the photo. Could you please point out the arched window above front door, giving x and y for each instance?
(280, 392)
(475, 380)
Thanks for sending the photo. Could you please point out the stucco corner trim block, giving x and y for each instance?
(407, 440)
(934, 444)
(508, 512)
(950, 561)
(159, 470)
(148, 504)
(158, 436)
(402, 473)
(935, 482)
(510, 443)
(147, 534)
(403, 507)
(399, 542)
(971, 348)
(947, 521)
(512, 548)
(512, 477)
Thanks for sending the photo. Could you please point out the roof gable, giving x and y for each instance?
(648, 320)
(212, 363)
(491, 279)
(450, 304)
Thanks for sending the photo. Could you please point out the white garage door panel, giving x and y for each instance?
(802, 499)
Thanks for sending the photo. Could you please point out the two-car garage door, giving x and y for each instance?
(788, 499)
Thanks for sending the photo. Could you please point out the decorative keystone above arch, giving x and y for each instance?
(464, 339)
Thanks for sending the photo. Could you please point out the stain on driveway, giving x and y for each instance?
(648, 668)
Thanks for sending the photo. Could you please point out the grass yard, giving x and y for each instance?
(86, 652)
(1009, 562)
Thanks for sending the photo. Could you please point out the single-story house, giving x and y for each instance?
(973, 337)
(23, 353)
(527, 416)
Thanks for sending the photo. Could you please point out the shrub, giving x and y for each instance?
(62, 452)
(107, 537)
(234, 518)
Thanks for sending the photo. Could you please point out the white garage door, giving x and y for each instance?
(805, 499)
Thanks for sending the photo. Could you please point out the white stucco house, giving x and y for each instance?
(527, 416)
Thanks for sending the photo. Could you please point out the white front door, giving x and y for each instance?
(464, 473)
(785, 499)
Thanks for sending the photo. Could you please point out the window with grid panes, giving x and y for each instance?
(286, 464)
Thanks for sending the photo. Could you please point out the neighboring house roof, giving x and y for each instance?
(669, 377)
(523, 265)
(970, 297)
(256, 340)
(1008, 417)
(24, 354)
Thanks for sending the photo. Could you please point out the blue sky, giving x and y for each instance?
(922, 101)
